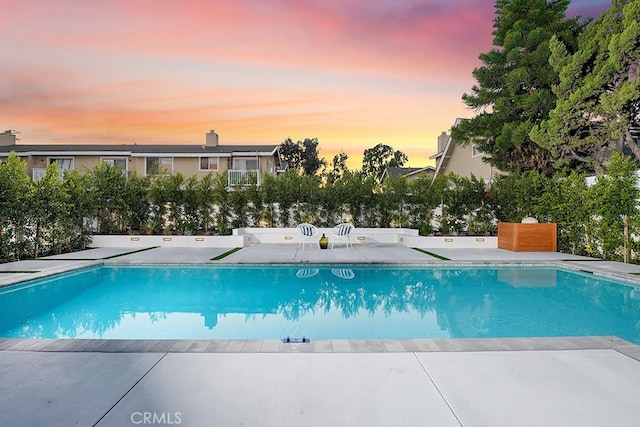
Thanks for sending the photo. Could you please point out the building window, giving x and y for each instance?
(157, 165)
(208, 163)
(119, 162)
(245, 164)
(63, 163)
(475, 151)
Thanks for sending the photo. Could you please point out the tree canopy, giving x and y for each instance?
(338, 167)
(514, 85)
(376, 159)
(302, 155)
(598, 96)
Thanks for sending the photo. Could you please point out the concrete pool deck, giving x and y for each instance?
(494, 382)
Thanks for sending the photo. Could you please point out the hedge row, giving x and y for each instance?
(53, 215)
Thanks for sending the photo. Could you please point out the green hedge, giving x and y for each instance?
(53, 216)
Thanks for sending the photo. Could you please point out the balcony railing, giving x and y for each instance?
(243, 177)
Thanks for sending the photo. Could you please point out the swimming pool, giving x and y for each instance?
(319, 302)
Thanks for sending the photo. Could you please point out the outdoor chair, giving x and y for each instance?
(342, 232)
(308, 232)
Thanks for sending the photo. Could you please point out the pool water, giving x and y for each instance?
(319, 302)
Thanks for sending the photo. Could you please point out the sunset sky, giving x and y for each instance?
(353, 73)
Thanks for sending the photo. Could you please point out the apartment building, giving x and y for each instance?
(242, 162)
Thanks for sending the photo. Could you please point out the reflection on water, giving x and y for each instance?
(305, 273)
(528, 277)
(321, 302)
(343, 273)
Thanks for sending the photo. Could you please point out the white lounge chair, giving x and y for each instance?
(308, 232)
(342, 232)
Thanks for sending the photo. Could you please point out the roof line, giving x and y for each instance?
(445, 151)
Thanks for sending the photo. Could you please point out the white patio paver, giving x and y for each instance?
(568, 388)
(170, 255)
(288, 390)
(538, 388)
(65, 389)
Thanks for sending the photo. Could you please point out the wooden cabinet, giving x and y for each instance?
(520, 237)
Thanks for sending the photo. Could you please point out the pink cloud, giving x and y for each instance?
(352, 73)
(343, 36)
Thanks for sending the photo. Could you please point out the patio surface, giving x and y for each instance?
(588, 381)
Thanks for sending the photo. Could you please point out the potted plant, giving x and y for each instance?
(150, 226)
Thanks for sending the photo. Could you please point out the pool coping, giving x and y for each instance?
(632, 279)
(320, 346)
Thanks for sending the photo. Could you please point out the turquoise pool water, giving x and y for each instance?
(319, 302)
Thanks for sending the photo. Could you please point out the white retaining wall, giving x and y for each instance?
(250, 236)
(457, 242)
(359, 236)
(144, 241)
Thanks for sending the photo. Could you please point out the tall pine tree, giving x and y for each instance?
(514, 86)
(598, 105)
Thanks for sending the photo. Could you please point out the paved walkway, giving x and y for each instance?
(589, 381)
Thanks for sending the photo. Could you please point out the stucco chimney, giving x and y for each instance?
(442, 141)
(212, 139)
(8, 137)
